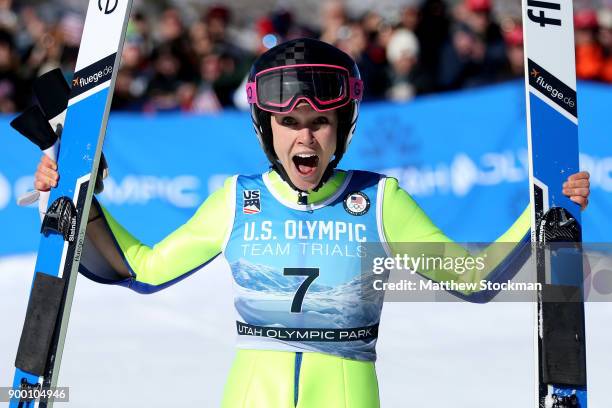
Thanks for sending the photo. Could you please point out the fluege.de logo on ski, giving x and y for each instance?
(94, 75)
(552, 87)
(93, 79)
(550, 90)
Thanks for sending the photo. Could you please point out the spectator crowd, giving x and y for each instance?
(177, 62)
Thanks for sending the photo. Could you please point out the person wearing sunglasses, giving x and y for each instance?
(294, 237)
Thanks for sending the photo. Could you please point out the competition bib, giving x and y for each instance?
(300, 279)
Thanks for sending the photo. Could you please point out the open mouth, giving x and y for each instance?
(306, 164)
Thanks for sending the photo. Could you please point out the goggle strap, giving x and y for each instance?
(356, 88)
(297, 66)
(251, 90)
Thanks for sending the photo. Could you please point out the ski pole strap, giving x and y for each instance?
(308, 334)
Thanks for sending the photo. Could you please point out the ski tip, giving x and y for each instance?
(33, 125)
(52, 92)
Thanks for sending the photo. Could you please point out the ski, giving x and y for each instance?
(82, 126)
(552, 127)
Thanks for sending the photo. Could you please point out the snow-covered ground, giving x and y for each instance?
(175, 347)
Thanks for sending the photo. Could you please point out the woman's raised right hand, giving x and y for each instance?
(46, 175)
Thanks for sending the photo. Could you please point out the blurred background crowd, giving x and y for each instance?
(181, 56)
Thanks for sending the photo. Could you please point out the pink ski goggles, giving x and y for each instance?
(324, 87)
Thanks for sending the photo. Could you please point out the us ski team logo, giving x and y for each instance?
(251, 202)
(357, 203)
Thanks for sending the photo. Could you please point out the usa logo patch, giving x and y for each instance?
(251, 203)
(357, 203)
